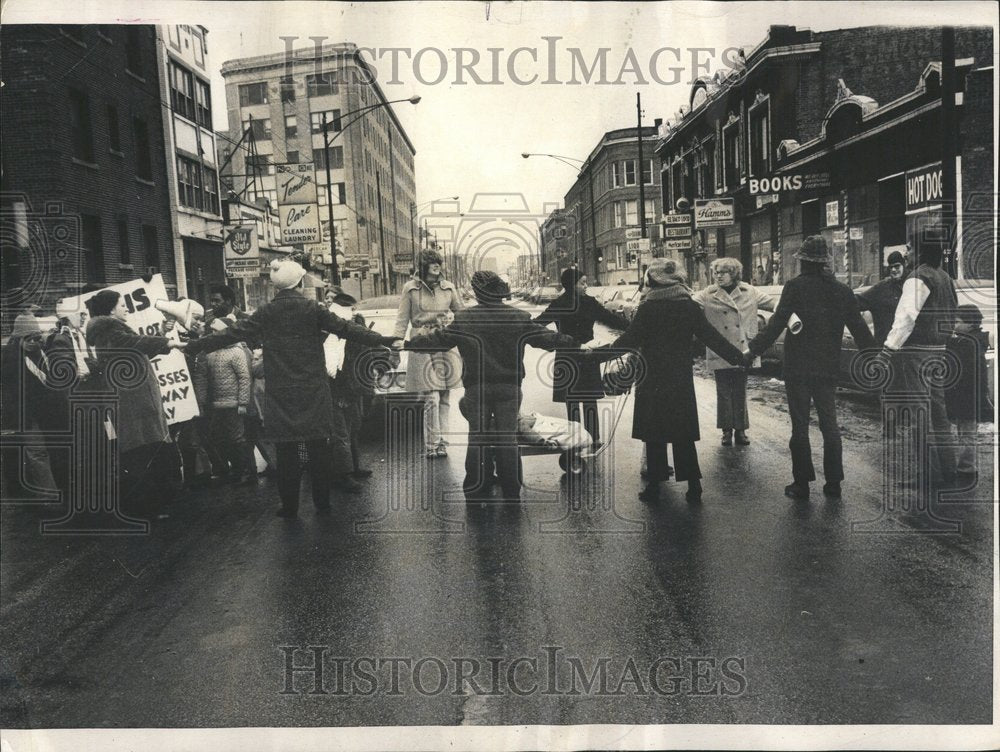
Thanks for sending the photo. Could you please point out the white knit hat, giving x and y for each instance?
(286, 274)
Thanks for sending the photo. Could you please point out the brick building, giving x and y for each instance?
(557, 245)
(820, 132)
(85, 183)
(286, 97)
(605, 202)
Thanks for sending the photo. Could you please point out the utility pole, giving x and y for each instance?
(950, 210)
(642, 188)
(334, 267)
(381, 235)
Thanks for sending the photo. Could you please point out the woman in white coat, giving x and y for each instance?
(427, 303)
(731, 308)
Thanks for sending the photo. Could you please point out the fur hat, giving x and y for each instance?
(286, 274)
(814, 248)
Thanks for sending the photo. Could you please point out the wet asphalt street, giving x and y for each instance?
(747, 608)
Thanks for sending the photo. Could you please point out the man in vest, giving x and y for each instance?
(924, 320)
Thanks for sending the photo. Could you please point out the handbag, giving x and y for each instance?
(621, 374)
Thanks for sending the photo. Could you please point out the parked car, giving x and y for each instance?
(616, 297)
(545, 295)
(380, 315)
(630, 303)
(979, 292)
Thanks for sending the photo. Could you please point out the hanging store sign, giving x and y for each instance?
(299, 224)
(714, 212)
(677, 232)
(296, 183)
(642, 244)
(789, 183)
(676, 219)
(242, 258)
(924, 187)
(681, 244)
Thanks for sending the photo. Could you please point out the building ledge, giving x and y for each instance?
(85, 163)
(150, 183)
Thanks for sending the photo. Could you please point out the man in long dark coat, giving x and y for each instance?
(298, 408)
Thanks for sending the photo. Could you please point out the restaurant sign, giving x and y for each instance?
(924, 187)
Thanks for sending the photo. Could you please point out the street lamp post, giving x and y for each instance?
(580, 167)
(327, 142)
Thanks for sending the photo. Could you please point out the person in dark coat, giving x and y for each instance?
(491, 338)
(149, 463)
(883, 297)
(968, 398)
(812, 360)
(577, 379)
(298, 408)
(664, 329)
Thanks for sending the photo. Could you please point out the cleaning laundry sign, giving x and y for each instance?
(172, 374)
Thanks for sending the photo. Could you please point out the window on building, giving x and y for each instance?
(204, 103)
(211, 195)
(261, 128)
(291, 126)
(650, 206)
(181, 91)
(731, 155)
(647, 172)
(321, 84)
(189, 188)
(810, 218)
(677, 181)
(124, 251)
(339, 194)
(292, 157)
(630, 172)
(706, 185)
(287, 87)
(759, 139)
(251, 94)
(92, 247)
(114, 136)
(143, 155)
(151, 246)
(270, 195)
(258, 165)
(133, 50)
(80, 127)
(336, 158)
(619, 257)
(631, 213)
(619, 214)
(332, 118)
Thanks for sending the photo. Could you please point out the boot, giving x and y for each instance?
(741, 438)
(727, 437)
(693, 494)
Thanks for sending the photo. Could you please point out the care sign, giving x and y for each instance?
(714, 212)
(923, 187)
(242, 252)
(299, 223)
(179, 403)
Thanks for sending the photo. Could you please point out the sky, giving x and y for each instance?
(469, 134)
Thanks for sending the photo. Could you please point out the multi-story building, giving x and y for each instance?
(284, 100)
(185, 82)
(834, 133)
(85, 185)
(557, 245)
(605, 202)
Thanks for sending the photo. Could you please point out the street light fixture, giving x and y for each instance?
(327, 141)
(580, 167)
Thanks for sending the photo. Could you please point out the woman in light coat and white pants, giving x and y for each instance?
(731, 308)
(427, 303)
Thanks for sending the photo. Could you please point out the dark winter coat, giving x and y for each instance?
(124, 367)
(825, 306)
(881, 299)
(491, 339)
(969, 397)
(577, 377)
(297, 406)
(663, 332)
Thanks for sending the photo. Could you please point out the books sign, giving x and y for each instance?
(714, 212)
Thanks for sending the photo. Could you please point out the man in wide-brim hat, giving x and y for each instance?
(812, 360)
